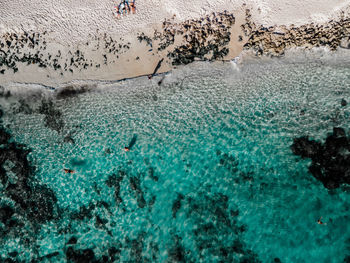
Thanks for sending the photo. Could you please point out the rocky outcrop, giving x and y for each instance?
(205, 39)
(330, 160)
(274, 41)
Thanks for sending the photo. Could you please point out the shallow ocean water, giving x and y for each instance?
(211, 177)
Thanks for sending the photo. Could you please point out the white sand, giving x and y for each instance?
(75, 20)
(70, 23)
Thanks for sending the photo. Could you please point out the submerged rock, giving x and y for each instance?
(72, 91)
(215, 225)
(72, 241)
(177, 204)
(80, 256)
(330, 161)
(53, 117)
(343, 102)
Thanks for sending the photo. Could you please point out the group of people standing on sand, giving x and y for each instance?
(125, 7)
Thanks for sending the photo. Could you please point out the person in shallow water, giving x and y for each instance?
(131, 144)
(320, 222)
(69, 171)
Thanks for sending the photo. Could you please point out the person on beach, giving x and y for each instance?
(126, 8)
(133, 7)
(118, 7)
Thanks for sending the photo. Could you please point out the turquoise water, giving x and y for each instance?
(211, 177)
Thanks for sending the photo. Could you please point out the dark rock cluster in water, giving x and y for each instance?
(73, 91)
(33, 203)
(53, 117)
(134, 181)
(330, 160)
(221, 236)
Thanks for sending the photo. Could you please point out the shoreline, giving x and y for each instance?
(32, 57)
(245, 60)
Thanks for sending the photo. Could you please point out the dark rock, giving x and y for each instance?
(229, 162)
(8, 260)
(277, 260)
(13, 254)
(135, 185)
(80, 256)
(151, 174)
(343, 102)
(53, 117)
(6, 213)
(72, 91)
(152, 201)
(84, 212)
(100, 222)
(4, 94)
(177, 204)
(330, 161)
(112, 251)
(214, 227)
(4, 136)
(115, 181)
(49, 256)
(39, 202)
(72, 241)
(24, 107)
(177, 252)
(135, 247)
(305, 148)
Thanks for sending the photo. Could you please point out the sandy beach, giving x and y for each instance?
(57, 42)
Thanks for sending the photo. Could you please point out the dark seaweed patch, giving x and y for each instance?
(72, 241)
(135, 247)
(177, 204)
(38, 201)
(136, 187)
(33, 203)
(23, 107)
(214, 225)
(80, 256)
(53, 117)
(177, 253)
(115, 180)
(6, 213)
(49, 256)
(330, 160)
(84, 212)
(151, 172)
(71, 91)
(229, 162)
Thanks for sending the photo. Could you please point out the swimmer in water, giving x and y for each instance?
(320, 222)
(131, 144)
(69, 171)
